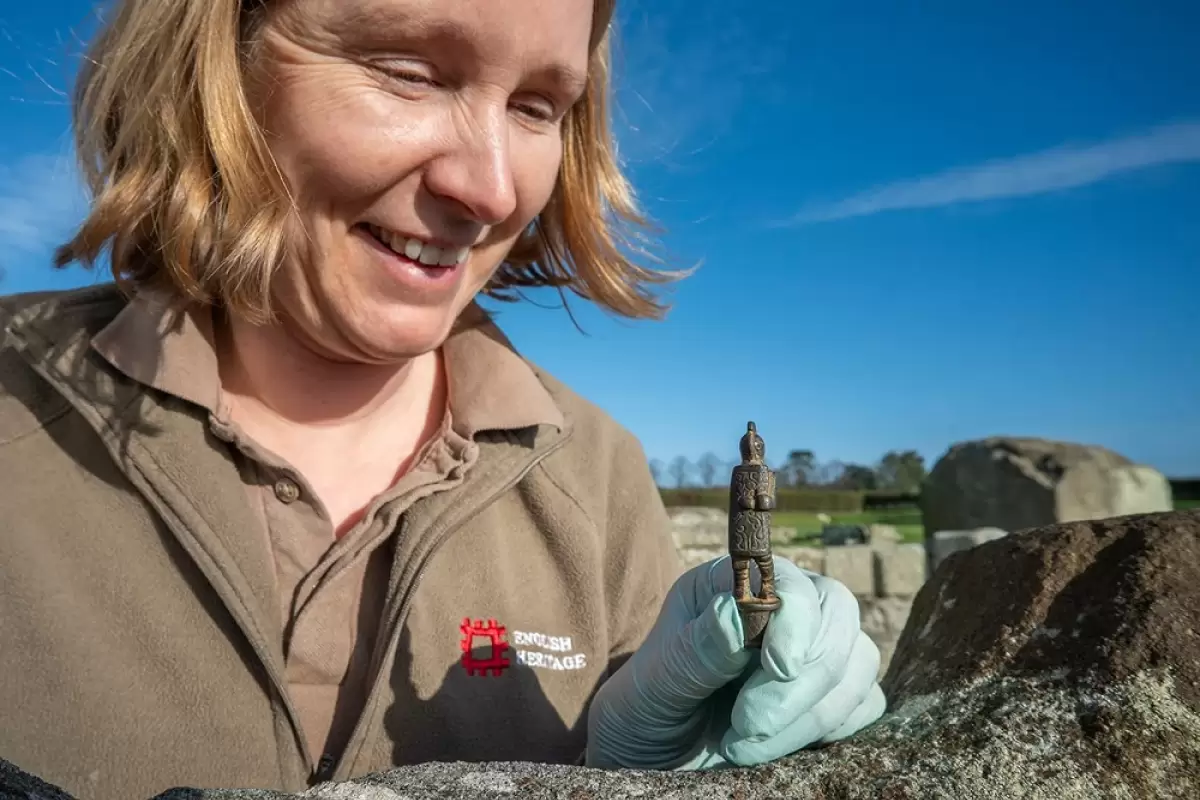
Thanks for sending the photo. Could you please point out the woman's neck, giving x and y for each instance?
(294, 399)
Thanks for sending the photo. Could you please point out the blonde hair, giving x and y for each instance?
(187, 197)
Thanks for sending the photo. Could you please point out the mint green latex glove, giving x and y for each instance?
(693, 697)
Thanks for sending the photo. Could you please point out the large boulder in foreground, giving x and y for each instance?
(1014, 483)
(1061, 662)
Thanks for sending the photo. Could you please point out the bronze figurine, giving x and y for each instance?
(751, 500)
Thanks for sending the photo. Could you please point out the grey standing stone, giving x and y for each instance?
(1015, 483)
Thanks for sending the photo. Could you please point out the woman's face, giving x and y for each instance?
(419, 138)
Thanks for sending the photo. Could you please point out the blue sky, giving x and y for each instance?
(913, 227)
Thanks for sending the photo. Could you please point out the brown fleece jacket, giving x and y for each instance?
(143, 643)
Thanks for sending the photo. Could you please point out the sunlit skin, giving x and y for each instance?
(437, 119)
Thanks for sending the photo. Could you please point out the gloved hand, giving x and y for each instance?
(693, 697)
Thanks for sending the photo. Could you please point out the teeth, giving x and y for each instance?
(428, 254)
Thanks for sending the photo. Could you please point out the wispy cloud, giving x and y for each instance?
(677, 89)
(1052, 170)
(41, 200)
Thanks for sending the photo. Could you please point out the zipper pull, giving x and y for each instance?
(325, 769)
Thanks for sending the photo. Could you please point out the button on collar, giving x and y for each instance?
(286, 490)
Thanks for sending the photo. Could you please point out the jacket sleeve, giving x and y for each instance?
(641, 560)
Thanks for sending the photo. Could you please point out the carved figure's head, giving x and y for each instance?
(754, 449)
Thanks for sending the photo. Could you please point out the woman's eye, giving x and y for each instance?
(533, 112)
(538, 111)
(414, 78)
(405, 73)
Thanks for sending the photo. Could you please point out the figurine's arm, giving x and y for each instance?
(765, 499)
(744, 492)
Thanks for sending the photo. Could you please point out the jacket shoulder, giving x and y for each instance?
(43, 320)
(604, 464)
(607, 443)
(58, 314)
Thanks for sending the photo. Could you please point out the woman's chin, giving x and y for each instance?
(400, 335)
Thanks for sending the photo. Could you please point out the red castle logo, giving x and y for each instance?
(497, 660)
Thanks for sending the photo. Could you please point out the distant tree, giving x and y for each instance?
(799, 469)
(829, 473)
(707, 467)
(857, 477)
(680, 469)
(901, 471)
(656, 471)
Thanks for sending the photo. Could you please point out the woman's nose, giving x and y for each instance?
(475, 169)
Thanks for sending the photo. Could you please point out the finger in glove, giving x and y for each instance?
(829, 714)
(868, 711)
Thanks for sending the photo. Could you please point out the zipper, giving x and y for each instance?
(244, 620)
(407, 594)
(231, 601)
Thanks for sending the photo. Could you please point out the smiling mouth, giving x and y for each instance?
(420, 252)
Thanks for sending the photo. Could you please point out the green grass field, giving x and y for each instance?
(906, 520)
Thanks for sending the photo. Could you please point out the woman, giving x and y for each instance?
(289, 508)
